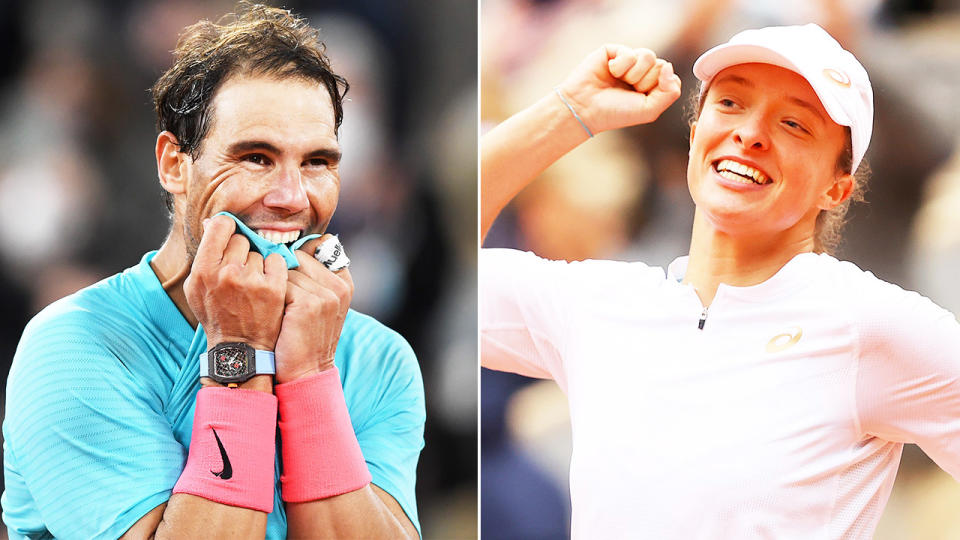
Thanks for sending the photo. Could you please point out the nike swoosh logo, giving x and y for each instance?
(227, 472)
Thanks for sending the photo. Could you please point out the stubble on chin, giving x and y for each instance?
(191, 240)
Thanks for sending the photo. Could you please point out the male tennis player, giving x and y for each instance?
(757, 388)
(147, 405)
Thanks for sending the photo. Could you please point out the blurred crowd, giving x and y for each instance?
(623, 196)
(80, 200)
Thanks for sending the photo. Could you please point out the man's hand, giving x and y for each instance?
(235, 293)
(616, 86)
(317, 301)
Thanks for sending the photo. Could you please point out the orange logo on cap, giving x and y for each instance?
(838, 77)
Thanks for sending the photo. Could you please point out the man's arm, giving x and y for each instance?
(237, 296)
(317, 304)
(613, 87)
(368, 512)
(95, 449)
(189, 516)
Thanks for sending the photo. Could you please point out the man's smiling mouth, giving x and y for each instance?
(278, 237)
(738, 172)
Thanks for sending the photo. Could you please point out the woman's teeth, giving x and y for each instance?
(278, 237)
(739, 172)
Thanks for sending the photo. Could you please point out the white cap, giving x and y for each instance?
(836, 76)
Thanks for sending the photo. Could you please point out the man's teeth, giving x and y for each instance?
(278, 237)
(739, 172)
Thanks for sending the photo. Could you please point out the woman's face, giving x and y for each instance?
(763, 154)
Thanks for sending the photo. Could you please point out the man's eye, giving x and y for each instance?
(318, 162)
(258, 159)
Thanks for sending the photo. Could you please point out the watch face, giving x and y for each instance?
(230, 362)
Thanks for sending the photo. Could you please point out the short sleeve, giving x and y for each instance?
(522, 324)
(908, 379)
(90, 451)
(384, 391)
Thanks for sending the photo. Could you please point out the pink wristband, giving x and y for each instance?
(321, 455)
(232, 448)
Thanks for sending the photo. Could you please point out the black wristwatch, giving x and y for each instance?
(234, 362)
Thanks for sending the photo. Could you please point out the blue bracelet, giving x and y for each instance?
(575, 115)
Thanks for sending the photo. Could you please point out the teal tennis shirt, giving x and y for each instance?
(100, 403)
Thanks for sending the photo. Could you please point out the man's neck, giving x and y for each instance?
(172, 268)
(716, 257)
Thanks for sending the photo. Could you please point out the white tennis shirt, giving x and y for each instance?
(784, 417)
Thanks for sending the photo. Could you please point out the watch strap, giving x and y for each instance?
(265, 361)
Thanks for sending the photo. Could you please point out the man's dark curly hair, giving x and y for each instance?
(256, 40)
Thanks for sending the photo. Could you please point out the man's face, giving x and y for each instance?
(763, 152)
(270, 157)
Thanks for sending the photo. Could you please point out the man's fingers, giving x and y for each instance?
(294, 291)
(275, 266)
(213, 242)
(344, 274)
(333, 294)
(237, 249)
(254, 261)
(311, 246)
(302, 280)
(340, 282)
(333, 250)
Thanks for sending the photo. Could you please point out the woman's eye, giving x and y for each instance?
(795, 125)
(727, 102)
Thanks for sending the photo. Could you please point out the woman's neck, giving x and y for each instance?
(717, 257)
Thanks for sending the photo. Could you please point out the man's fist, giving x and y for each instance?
(317, 301)
(235, 293)
(616, 86)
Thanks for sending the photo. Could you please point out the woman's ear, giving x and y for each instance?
(838, 192)
(693, 131)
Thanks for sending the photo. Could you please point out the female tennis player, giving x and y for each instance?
(759, 387)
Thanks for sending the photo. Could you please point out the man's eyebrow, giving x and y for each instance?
(240, 147)
(330, 154)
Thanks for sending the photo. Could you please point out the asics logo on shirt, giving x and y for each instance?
(227, 472)
(782, 342)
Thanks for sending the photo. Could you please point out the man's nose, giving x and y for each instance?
(752, 133)
(287, 190)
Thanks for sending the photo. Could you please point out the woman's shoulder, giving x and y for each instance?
(516, 261)
(873, 299)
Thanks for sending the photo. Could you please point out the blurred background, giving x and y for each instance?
(623, 196)
(80, 200)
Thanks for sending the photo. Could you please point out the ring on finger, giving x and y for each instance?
(330, 252)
